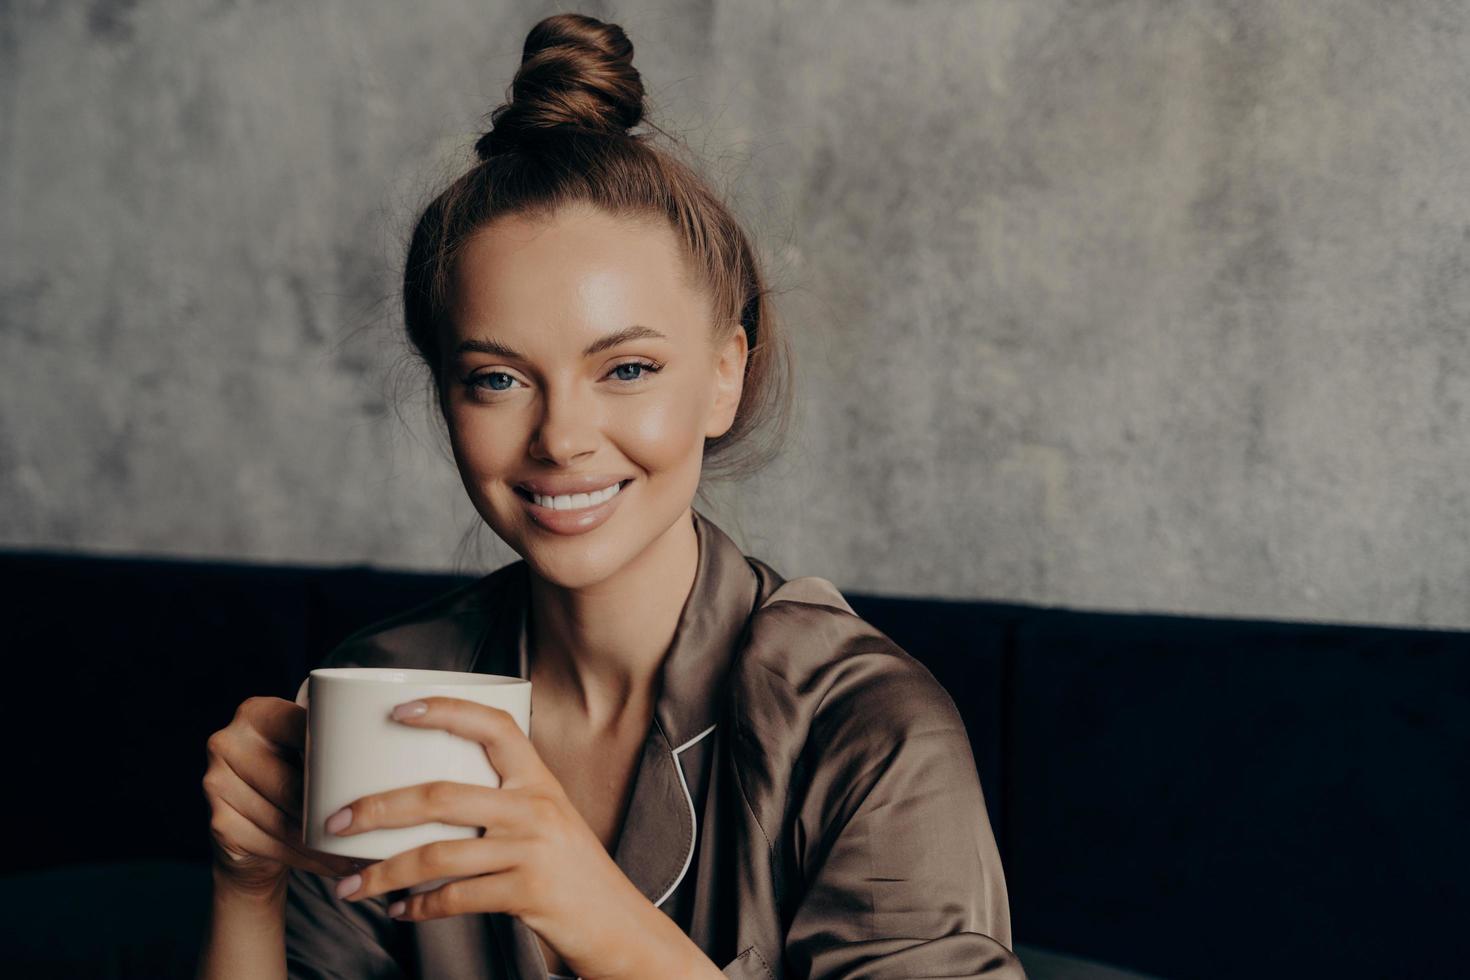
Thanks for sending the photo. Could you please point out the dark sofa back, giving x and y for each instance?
(1224, 798)
(1187, 797)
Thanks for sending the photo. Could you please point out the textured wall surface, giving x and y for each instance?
(1131, 305)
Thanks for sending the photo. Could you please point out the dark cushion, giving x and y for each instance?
(132, 920)
(1225, 798)
(146, 921)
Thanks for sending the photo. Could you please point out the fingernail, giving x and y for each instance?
(347, 886)
(338, 821)
(397, 908)
(410, 709)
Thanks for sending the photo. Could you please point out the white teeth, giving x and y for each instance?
(574, 501)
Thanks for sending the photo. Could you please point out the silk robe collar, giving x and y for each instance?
(656, 843)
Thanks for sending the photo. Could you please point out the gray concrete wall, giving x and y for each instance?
(1133, 305)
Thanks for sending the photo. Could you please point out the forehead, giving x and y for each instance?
(582, 269)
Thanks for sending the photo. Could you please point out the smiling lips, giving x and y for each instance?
(572, 512)
(573, 501)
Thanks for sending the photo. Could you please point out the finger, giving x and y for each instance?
(245, 797)
(278, 721)
(496, 892)
(438, 859)
(276, 779)
(509, 749)
(461, 804)
(272, 821)
(245, 835)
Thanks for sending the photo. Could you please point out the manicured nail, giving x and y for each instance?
(347, 886)
(397, 908)
(338, 821)
(410, 709)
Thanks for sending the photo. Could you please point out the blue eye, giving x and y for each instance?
(647, 368)
(489, 374)
(479, 382)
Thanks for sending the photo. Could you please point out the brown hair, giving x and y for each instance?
(562, 137)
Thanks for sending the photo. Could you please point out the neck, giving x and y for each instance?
(599, 649)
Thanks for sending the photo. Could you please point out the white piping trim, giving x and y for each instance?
(683, 784)
(693, 817)
(691, 742)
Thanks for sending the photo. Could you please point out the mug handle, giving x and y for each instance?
(302, 697)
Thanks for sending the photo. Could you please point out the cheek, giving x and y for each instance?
(661, 433)
(483, 445)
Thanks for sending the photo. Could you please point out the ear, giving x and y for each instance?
(729, 382)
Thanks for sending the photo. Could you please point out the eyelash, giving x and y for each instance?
(649, 367)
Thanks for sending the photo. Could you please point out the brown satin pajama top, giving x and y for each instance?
(806, 805)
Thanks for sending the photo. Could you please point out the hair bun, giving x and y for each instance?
(576, 75)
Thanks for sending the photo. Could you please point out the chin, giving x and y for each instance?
(572, 564)
(571, 561)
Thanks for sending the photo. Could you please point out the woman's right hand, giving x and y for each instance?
(253, 783)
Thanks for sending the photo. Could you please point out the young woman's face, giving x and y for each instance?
(526, 401)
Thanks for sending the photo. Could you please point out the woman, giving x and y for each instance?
(728, 774)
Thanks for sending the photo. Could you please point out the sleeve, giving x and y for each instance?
(901, 874)
(330, 939)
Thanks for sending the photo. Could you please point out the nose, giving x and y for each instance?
(568, 429)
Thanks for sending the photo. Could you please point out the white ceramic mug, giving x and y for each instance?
(354, 748)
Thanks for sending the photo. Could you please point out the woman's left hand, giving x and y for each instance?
(537, 858)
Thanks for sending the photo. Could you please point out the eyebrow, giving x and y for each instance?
(495, 347)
